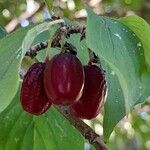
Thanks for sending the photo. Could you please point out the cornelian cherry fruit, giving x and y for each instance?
(94, 94)
(64, 79)
(33, 97)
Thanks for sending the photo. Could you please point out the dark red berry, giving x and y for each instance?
(64, 79)
(94, 94)
(33, 97)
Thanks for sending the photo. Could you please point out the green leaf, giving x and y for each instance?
(51, 131)
(70, 22)
(115, 104)
(3, 32)
(123, 59)
(142, 29)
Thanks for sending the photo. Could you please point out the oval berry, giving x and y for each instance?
(64, 79)
(94, 94)
(33, 97)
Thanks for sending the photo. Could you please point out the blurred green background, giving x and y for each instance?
(133, 132)
(23, 11)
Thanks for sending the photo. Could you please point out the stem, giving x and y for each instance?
(32, 52)
(48, 50)
(89, 134)
(50, 40)
(92, 57)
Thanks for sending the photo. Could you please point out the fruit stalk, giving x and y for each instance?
(89, 134)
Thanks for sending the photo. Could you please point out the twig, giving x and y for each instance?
(76, 29)
(32, 52)
(64, 30)
(93, 58)
(89, 134)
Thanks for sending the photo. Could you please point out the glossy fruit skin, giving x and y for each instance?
(64, 79)
(33, 97)
(94, 94)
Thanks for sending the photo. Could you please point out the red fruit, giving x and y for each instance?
(33, 97)
(94, 94)
(64, 79)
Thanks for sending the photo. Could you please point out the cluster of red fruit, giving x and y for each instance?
(64, 81)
